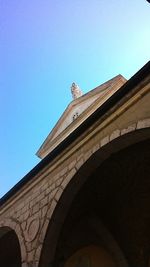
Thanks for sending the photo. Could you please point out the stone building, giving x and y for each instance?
(87, 203)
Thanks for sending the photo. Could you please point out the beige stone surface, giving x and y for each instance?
(31, 209)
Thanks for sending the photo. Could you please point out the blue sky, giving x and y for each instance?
(45, 45)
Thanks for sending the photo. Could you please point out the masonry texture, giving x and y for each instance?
(34, 219)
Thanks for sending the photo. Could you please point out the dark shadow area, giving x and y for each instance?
(10, 255)
(117, 194)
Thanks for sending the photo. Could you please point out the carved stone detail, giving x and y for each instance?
(76, 91)
(32, 230)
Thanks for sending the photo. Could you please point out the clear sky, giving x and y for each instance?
(45, 45)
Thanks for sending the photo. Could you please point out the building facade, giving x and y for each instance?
(87, 203)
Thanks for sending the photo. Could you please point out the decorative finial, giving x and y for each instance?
(76, 91)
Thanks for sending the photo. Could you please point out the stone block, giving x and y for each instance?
(58, 194)
(104, 141)
(68, 178)
(143, 123)
(58, 182)
(51, 209)
(79, 163)
(71, 165)
(129, 129)
(44, 201)
(95, 148)
(35, 208)
(115, 134)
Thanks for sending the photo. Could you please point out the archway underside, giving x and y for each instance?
(117, 194)
(10, 254)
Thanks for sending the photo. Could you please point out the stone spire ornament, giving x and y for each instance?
(76, 91)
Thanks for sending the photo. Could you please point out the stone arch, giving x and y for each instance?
(13, 225)
(116, 141)
(108, 243)
(9, 247)
(91, 255)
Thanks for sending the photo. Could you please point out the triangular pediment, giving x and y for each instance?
(77, 111)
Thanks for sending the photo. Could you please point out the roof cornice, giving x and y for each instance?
(113, 100)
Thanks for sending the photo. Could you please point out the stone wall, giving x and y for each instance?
(30, 210)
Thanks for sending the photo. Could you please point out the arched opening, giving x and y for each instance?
(113, 187)
(10, 254)
(90, 256)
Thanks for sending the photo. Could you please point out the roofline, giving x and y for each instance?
(73, 103)
(117, 96)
